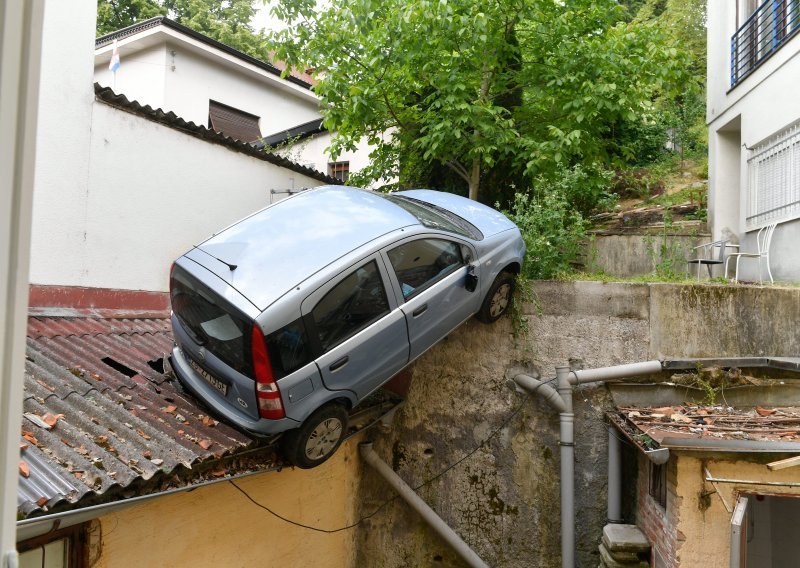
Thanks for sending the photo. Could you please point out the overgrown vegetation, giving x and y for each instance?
(553, 230)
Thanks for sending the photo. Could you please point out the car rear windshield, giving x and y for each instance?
(210, 321)
(435, 217)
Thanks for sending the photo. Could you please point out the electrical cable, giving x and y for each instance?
(390, 500)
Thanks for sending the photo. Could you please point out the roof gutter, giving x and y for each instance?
(37, 526)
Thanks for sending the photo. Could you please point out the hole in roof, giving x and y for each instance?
(157, 365)
(438, 558)
(124, 369)
(428, 452)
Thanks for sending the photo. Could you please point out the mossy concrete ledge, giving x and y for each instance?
(684, 320)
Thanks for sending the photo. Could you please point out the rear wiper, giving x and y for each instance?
(231, 266)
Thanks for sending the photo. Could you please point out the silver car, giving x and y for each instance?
(290, 317)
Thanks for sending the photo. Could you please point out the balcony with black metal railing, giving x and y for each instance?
(767, 29)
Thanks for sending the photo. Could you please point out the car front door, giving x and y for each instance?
(431, 275)
(359, 329)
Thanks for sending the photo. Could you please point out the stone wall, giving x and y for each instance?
(503, 498)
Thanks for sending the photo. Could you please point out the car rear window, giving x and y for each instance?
(210, 321)
(435, 217)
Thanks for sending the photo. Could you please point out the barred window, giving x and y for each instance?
(774, 171)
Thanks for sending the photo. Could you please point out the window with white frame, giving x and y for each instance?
(774, 171)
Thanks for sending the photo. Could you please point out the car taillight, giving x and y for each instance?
(267, 392)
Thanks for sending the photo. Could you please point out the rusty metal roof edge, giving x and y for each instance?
(728, 445)
(35, 526)
(772, 361)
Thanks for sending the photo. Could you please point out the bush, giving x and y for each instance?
(587, 188)
(552, 230)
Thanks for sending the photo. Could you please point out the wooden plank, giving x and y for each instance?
(783, 464)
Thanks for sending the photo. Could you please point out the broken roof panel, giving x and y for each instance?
(100, 415)
(711, 427)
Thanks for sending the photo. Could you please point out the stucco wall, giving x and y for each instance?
(706, 522)
(151, 193)
(219, 526)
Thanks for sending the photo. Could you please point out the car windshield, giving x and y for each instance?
(435, 217)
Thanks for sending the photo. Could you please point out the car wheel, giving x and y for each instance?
(318, 438)
(498, 298)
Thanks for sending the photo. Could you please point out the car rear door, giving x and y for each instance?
(359, 330)
(431, 276)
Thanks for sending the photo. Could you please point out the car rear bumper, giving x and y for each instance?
(203, 391)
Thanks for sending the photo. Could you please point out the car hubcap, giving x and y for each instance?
(324, 438)
(500, 300)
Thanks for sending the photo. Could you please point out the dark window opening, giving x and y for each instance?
(339, 170)
(65, 548)
(658, 483)
(233, 122)
(352, 305)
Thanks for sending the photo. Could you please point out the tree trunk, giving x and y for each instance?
(475, 179)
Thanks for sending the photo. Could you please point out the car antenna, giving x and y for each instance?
(228, 264)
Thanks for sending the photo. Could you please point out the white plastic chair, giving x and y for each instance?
(763, 240)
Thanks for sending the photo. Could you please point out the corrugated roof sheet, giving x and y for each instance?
(118, 422)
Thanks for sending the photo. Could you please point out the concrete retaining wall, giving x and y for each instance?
(503, 499)
(636, 255)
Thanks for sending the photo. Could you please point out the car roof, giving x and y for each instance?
(279, 247)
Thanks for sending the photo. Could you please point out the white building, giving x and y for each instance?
(753, 118)
(122, 189)
(169, 66)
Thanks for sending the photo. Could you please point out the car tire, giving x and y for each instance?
(318, 438)
(498, 298)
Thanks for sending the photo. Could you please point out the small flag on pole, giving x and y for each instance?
(114, 64)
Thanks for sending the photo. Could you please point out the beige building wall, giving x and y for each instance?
(706, 523)
(218, 526)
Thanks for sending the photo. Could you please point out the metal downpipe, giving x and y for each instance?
(567, 444)
(614, 477)
(428, 514)
(602, 374)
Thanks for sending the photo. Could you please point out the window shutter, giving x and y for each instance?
(232, 122)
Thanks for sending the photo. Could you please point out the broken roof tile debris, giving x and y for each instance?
(652, 427)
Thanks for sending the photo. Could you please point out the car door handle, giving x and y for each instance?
(420, 310)
(339, 363)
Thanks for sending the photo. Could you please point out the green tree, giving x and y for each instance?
(114, 15)
(227, 21)
(466, 85)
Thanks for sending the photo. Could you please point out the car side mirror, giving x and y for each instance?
(472, 279)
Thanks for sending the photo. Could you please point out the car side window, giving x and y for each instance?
(419, 264)
(350, 306)
(288, 348)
